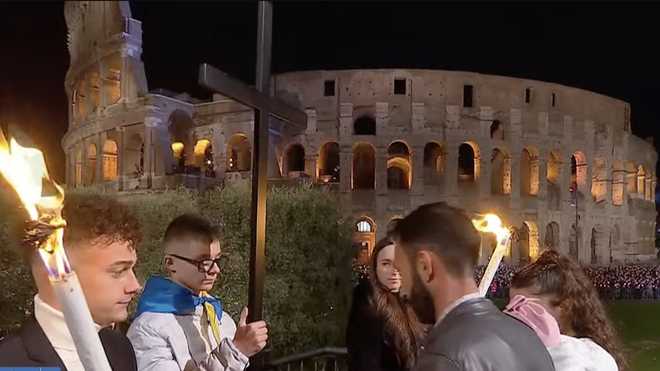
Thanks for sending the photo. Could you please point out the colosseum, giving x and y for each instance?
(558, 163)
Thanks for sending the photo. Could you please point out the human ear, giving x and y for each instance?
(424, 266)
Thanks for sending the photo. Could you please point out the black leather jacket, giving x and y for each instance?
(476, 336)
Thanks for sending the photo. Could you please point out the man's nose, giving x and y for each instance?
(133, 286)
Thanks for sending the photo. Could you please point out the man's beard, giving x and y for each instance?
(421, 302)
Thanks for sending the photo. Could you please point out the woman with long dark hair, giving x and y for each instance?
(588, 341)
(382, 332)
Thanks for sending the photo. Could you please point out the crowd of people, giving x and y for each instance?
(614, 282)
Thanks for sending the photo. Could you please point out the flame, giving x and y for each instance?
(491, 223)
(25, 170)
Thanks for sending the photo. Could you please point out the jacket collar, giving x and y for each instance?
(37, 346)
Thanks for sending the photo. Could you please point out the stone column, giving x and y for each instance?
(124, 75)
(382, 117)
(150, 123)
(311, 121)
(381, 170)
(85, 161)
(345, 168)
(515, 179)
(121, 157)
(345, 120)
(486, 170)
(219, 154)
(103, 99)
(543, 177)
(451, 169)
(418, 117)
(100, 141)
(310, 164)
(417, 159)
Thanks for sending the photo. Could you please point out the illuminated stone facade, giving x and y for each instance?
(386, 141)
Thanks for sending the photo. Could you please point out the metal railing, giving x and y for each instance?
(323, 359)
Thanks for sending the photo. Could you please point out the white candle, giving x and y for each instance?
(79, 321)
(493, 264)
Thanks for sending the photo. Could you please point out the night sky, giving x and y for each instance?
(607, 48)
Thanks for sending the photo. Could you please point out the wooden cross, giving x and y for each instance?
(264, 107)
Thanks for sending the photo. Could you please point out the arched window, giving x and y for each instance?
(239, 157)
(529, 172)
(434, 163)
(364, 166)
(90, 168)
(110, 160)
(398, 166)
(295, 159)
(328, 165)
(468, 162)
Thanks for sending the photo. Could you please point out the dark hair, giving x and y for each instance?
(446, 231)
(190, 227)
(570, 289)
(399, 321)
(89, 216)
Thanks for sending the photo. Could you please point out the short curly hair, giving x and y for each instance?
(90, 216)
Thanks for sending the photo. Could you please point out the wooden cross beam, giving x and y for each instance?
(264, 107)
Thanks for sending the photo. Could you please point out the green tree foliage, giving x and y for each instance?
(308, 272)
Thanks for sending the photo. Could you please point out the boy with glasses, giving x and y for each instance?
(178, 325)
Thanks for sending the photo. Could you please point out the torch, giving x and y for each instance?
(25, 170)
(491, 223)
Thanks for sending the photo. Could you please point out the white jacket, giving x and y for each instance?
(581, 354)
(169, 342)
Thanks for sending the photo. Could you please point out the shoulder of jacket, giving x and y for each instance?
(152, 322)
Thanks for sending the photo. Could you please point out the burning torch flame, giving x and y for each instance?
(25, 169)
(491, 223)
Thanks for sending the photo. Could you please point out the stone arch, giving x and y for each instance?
(468, 162)
(90, 164)
(110, 155)
(496, 130)
(578, 170)
(434, 163)
(78, 168)
(553, 177)
(364, 125)
(529, 171)
(554, 168)
(641, 181)
(364, 239)
(528, 242)
(328, 164)
(239, 155)
(599, 180)
(364, 166)
(399, 174)
(295, 159)
(199, 152)
(112, 80)
(631, 178)
(180, 126)
(203, 159)
(501, 172)
(618, 182)
(552, 236)
(133, 153)
(574, 243)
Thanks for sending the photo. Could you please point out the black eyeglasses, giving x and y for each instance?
(203, 266)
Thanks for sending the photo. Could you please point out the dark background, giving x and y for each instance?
(607, 48)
